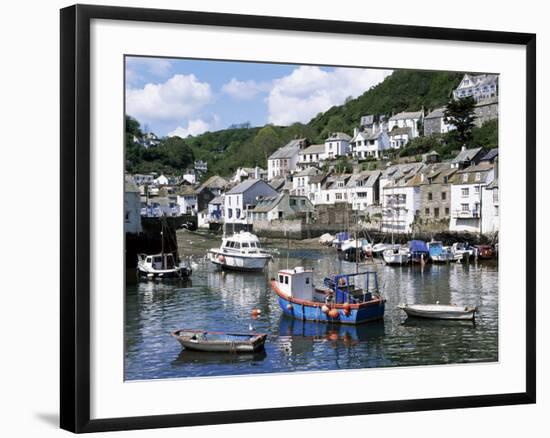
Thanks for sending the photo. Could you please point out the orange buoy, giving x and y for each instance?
(256, 312)
(333, 313)
(289, 306)
(325, 308)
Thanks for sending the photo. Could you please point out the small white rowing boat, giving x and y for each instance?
(439, 311)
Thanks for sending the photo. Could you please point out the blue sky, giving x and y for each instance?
(188, 97)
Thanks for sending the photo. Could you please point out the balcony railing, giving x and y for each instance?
(465, 214)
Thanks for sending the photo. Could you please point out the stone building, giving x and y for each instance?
(435, 193)
(486, 110)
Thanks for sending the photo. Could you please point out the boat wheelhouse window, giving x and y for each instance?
(245, 245)
(228, 244)
(307, 280)
(148, 259)
(280, 278)
(237, 245)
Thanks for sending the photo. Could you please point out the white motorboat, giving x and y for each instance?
(462, 251)
(379, 248)
(439, 311)
(160, 266)
(396, 255)
(241, 251)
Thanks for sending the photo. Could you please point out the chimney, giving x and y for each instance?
(355, 131)
(256, 172)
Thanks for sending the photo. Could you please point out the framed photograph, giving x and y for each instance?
(268, 218)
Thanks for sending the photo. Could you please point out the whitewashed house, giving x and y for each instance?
(401, 203)
(369, 143)
(363, 189)
(316, 184)
(313, 155)
(301, 181)
(162, 180)
(187, 199)
(132, 207)
(337, 144)
(480, 87)
(466, 197)
(490, 216)
(144, 179)
(406, 120)
(283, 161)
(334, 190)
(243, 197)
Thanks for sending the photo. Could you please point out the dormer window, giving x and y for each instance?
(478, 176)
(465, 177)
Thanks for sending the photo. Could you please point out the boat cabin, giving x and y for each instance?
(243, 242)
(297, 283)
(346, 288)
(158, 261)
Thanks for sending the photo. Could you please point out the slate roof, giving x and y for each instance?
(400, 131)
(436, 113)
(491, 155)
(481, 168)
(407, 115)
(335, 136)
(289, 150)
(215, 182)
(368, 176)
(466, 155)
(218, 200)
(244, 186)
(313, 149)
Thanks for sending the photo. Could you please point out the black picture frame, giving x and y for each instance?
(75, 217)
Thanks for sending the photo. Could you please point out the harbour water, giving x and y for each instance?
(223, 301)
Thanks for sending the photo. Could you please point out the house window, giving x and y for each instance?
(229, 213)
(446, 211)
(427, 211)
(443, 196)
(445, 179)
(430, 196)
(465, 192)
(338, 196)
(465, 177)
(436, 212)
(465, 207)
(328, 197)
(237, 213)
(478, 176)
(476, 190)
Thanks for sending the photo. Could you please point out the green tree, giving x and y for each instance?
(343, 165)
(460, 114)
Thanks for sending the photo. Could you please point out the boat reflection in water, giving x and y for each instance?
(348, 334)
(186, 357)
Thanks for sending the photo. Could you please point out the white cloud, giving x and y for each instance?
(136, 67)
(194, 127)
(176, 99)
(245, 90)
(309, 90)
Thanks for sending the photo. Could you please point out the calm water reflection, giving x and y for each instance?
(216, 300)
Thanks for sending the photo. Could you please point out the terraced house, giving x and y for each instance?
(467, 194)
(435, 194)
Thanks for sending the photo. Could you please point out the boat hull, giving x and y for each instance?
(181, 272)
(220, 343)
(238, 262)
(313, 311)
(455, 314)
(396, 259)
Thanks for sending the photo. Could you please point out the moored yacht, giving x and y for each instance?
(240, 251)
(160, 266)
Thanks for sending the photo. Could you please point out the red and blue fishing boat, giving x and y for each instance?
(345, 298)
